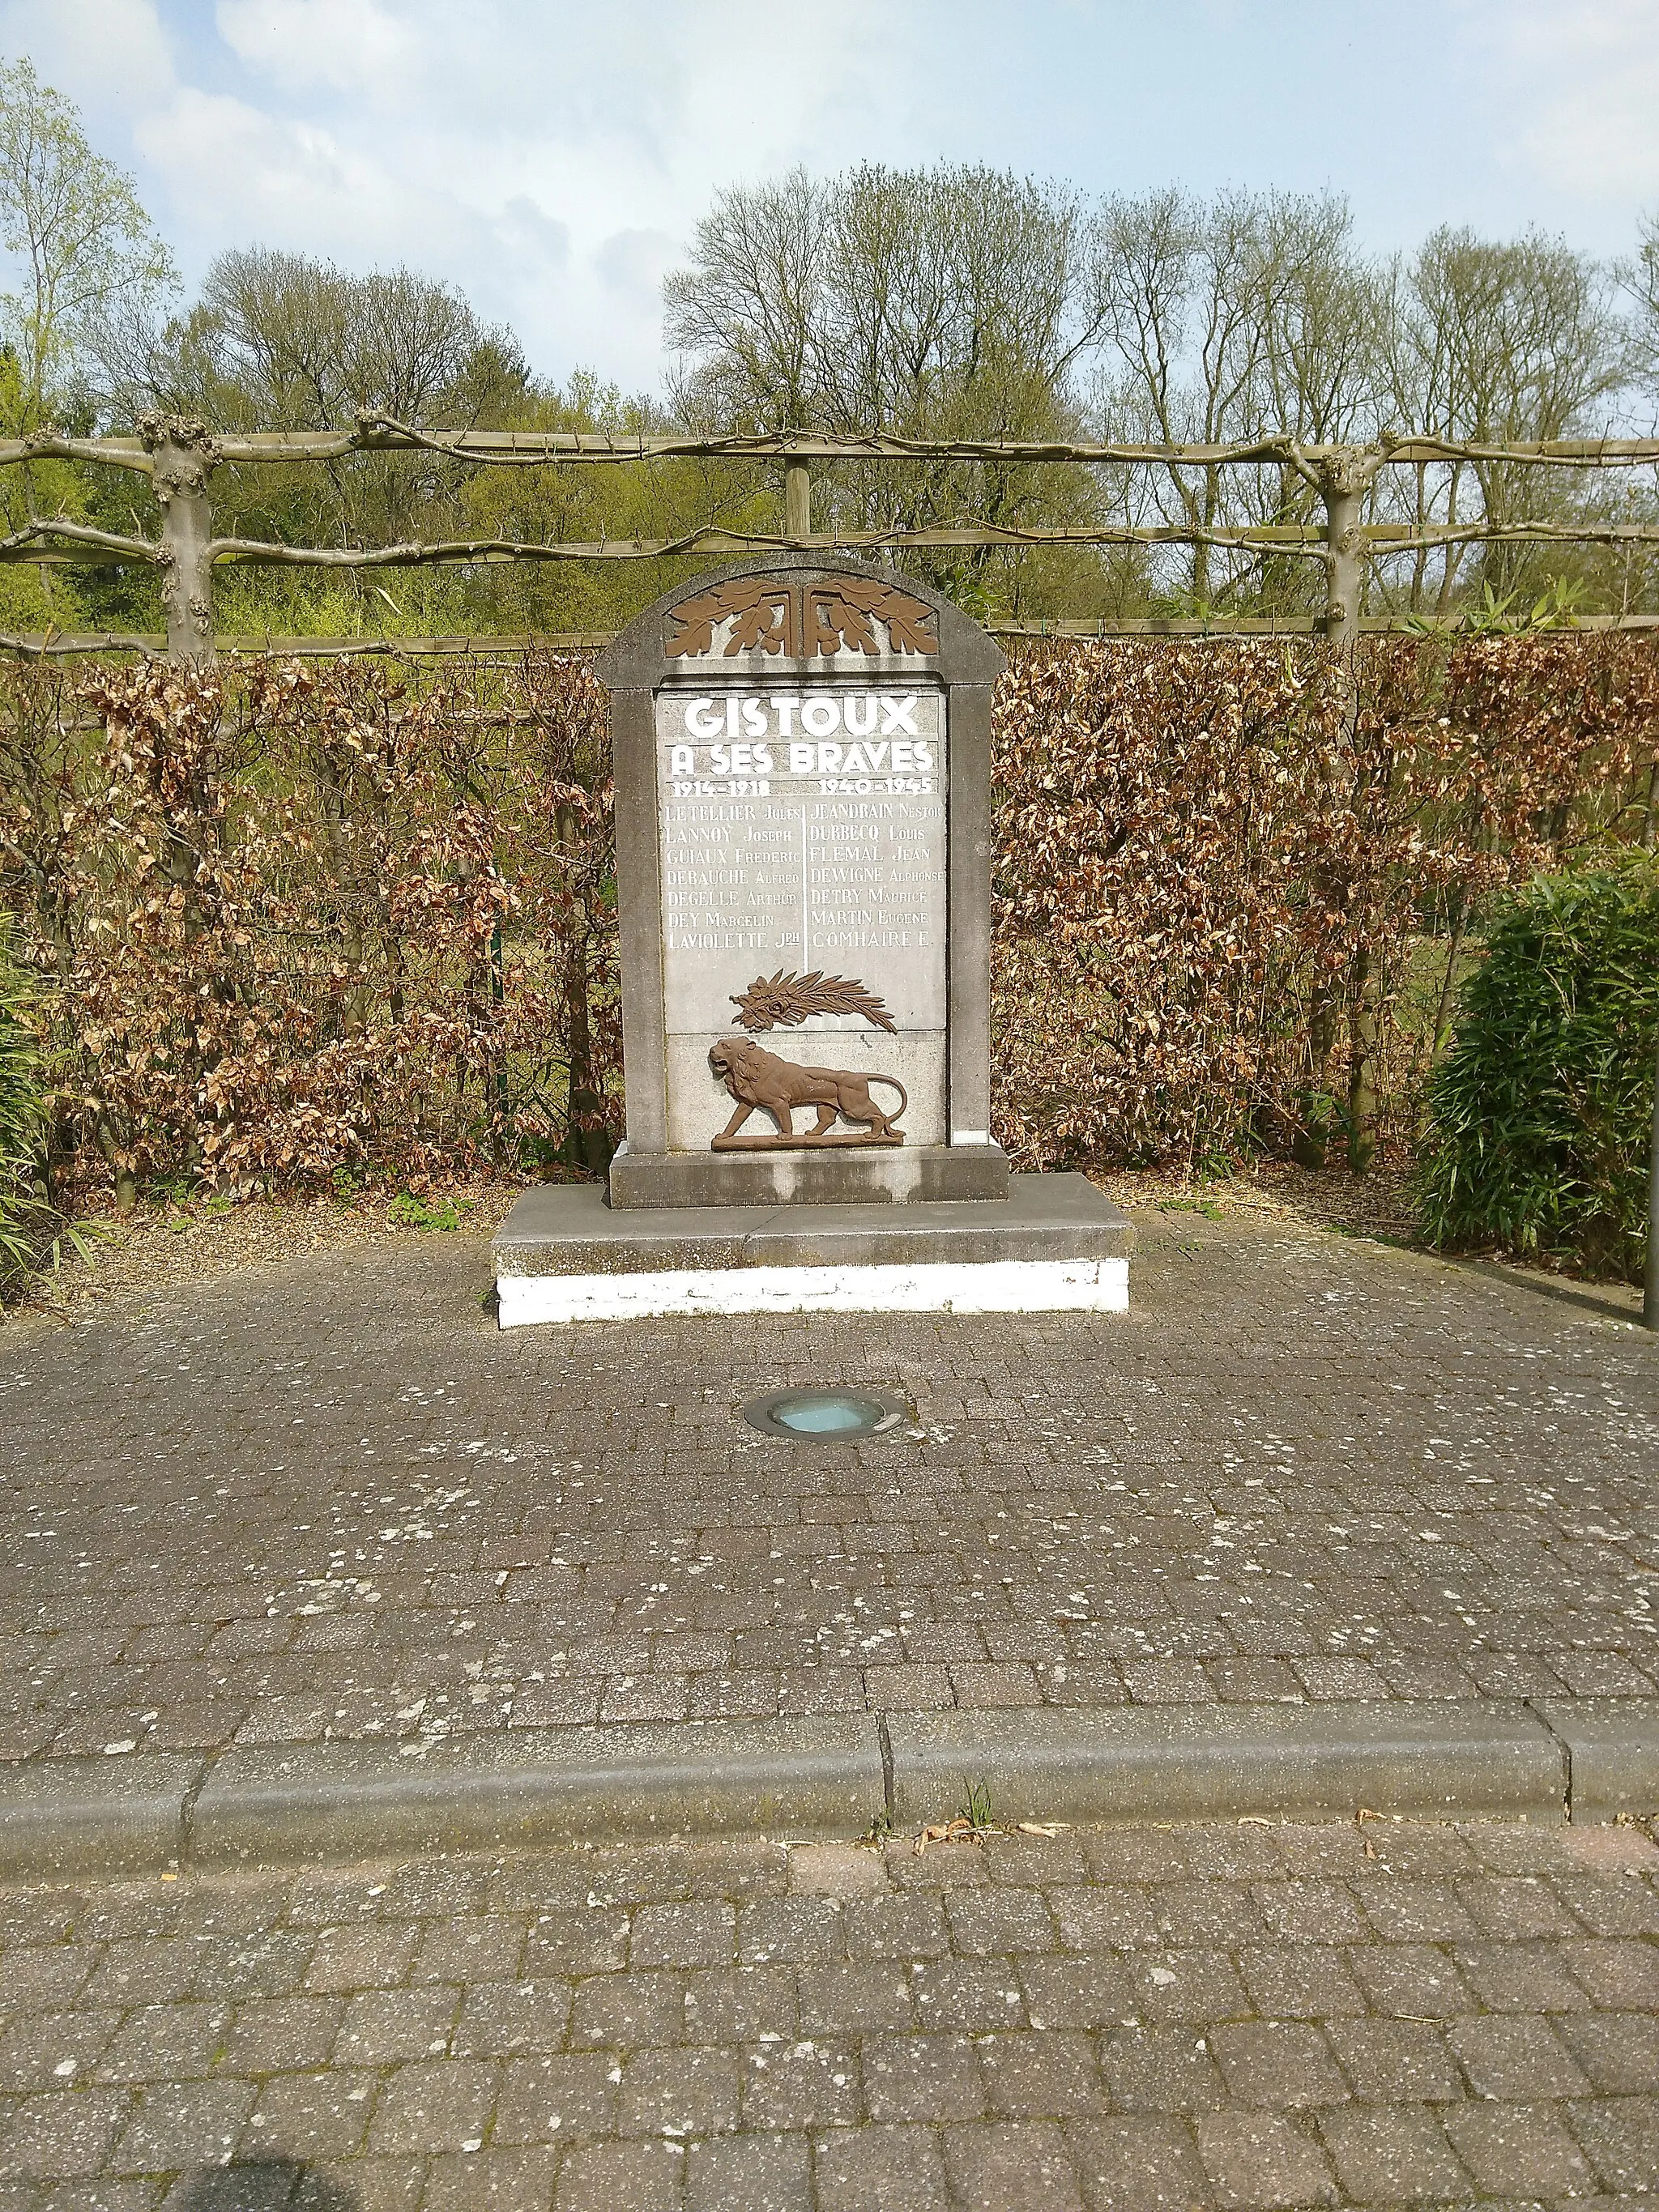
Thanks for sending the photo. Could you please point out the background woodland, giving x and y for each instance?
(950, 302)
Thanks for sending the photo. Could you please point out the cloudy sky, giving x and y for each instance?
(552, 159)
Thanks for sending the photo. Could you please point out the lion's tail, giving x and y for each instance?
(904, 1096)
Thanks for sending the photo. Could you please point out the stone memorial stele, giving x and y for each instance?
(802, 758)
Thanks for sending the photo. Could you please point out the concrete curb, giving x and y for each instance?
(1613, 1753)
(820, 1778)
(75, 1816)
(1199, 1762)
(68, 1819)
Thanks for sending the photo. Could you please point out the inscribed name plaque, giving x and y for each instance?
(803, 878)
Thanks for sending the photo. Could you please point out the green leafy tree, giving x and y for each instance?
(1541, 1115)
(85, 256)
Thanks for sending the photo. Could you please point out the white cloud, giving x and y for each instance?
(113, 54)
(344, 45)
(548, 158)
(1582, 80)
(551, 158)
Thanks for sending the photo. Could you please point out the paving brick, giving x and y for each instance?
(907, 1926)
(1242, 1391)
(811, 2083)
(557, 2099)
(37, 2046)
(1055, 2076)
(1161, 2070)
(1136, 2163)
(624, 2011)
(67, 2132)
(434, 2105)
(1185, 1985)
(1616, 1973)
(1620, 2136)
(682, 2092)
(183, 2124)
(1004, 2166)
(269, 2034)
(847, 2000)
(517, 2180)
(790, 1931)
(312, 2116)
(1522, 1977)
(165, 2043)
(1518, 2150)
(922, 2077)
(1300, 1981)
(1511, 2058)
(1396, 2060)
(1619, 2051)
(593, 1941)
(738, 2004)
(1388, 2153)
(379, 2025)
(604, 2177)
(757, 2172)
(683, 1935)
(1412, 1978)
(902, 2169)
(1276, 2063)
(497, 2018)
(469, 1949)
(374, 1957)
(1262, 2158)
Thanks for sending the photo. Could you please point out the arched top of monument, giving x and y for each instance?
(798, 612)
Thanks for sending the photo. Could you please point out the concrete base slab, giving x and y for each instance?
(1013, 1286)
(1054, 1244)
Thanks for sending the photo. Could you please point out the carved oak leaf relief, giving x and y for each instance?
(802, 621)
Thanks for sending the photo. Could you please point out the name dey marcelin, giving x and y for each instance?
(845, 742)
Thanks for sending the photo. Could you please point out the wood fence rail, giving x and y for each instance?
(179, 455)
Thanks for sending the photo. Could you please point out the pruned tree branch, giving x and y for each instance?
(24, 545)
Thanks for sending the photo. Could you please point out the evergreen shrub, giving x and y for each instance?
(1540, 1116)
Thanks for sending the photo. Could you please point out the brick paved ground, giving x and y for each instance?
(1235, 2016)
(328, 1497)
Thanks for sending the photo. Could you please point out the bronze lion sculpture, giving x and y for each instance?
(755, 1078)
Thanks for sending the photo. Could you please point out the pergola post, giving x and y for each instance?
(797, 498)
(181, 454)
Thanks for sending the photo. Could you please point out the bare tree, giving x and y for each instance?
(1222, 321)
(951, 301)
(281, 340)
(1494, 341)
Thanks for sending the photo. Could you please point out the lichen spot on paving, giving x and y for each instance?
(826, 1414)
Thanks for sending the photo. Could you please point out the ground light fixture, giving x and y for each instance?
(840, 1414)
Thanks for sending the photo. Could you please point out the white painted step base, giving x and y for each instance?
(929, 1286)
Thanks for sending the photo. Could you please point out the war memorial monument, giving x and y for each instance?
(802, 760)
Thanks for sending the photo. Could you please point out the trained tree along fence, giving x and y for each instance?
(178, 457)
(297, 917)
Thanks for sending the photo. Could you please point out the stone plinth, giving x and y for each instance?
(1054, 1244)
